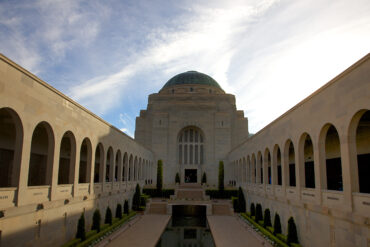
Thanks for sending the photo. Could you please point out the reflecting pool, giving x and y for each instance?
(186, 231)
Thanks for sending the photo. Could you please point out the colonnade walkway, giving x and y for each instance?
(146, 230)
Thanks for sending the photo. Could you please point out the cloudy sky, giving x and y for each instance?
(110, 55)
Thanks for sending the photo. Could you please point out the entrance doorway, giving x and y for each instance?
(190, 176)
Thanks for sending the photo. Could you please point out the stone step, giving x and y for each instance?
(190, 194)
(157, 208)
(221, 209)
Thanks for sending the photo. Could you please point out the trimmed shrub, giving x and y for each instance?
(137, 198)
(204, 178)
(253, 210)
(177, 178)
(125, 207)
(108, 216)
(143, 200)
(225, 194)
(235, 203)
(96, 221)
(258, 212)
(81, 228)
(159, 175)
(164, 193)
(267, 218)
(277, 224)
(241, 201)
(119, 211)
(221, 175)
(292, 232)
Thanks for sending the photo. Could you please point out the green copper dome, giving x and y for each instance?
(192, 77)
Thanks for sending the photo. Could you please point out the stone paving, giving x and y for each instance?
(230, 231)
(144, 233)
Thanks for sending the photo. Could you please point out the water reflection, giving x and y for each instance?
(186, 232)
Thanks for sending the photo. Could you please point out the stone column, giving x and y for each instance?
(24, 168)
(76, 166)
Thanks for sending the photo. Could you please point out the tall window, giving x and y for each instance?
(190, 146)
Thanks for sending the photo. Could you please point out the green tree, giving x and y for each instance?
(108, 216)
(204, 178)
(159, 176)
(292, 232)
(258, 212)
(277, 224)
(221, 175)
(253, 210)
(267, 218)
(81, 228)
(119, 211)
(177, 178)
(241, 201)
(125, 207)
(96, 221)
(136, 199)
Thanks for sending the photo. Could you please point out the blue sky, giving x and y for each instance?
(110, 55)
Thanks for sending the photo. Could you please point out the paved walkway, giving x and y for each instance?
(230, 231)
(144, 233)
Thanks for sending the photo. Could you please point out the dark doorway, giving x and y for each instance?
(190, 176)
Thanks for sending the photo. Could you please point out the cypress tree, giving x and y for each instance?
(241, 201)
(96, 221)
(125, 207)
(277, 224)
(292, 232)
(253, 210)
(221, 175)
(267, 218)
(136, 199)
(108, 216)
(204, 178)
(258, 212)
(159, 176)
(119, 211)
(177, 178)
(81, 228)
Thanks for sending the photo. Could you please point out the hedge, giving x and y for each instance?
(92, 236)
(224, 194)
(266, 232)
(164, 193)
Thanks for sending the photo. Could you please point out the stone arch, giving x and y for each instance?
(11, 140)
(67, 158)
(41, 155)
(249, 169)
(330, 148)
(244, 171)
(130, 168)
(359, 144)
(306, 161)
(135, 169)
(124, 167)
(98, 165)
(289, 163)
(254, 168)
(277, 170)
(109, 165)
(267, 158)
(85, 161)
(117, 166)
(139, 170)
(259, 168)
(190, 146)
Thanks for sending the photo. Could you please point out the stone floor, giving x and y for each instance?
(230, 231)
(144, 233)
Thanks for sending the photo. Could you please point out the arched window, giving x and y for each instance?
(99, 161)
(259, 168)
(254, 167)
(67, 157)
(277, 166)
(190, 146)
(109, 166)
(130, 168)
(117, 167)
(11, 138)
(41, 157)
(362, 153)
(249, 170)
(333, 159)
(124, 168)
(309, 167)
(289, 155)
(269, 171)
(134, 175)
(85, 162)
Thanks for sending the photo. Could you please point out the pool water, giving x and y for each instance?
(186, 231)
